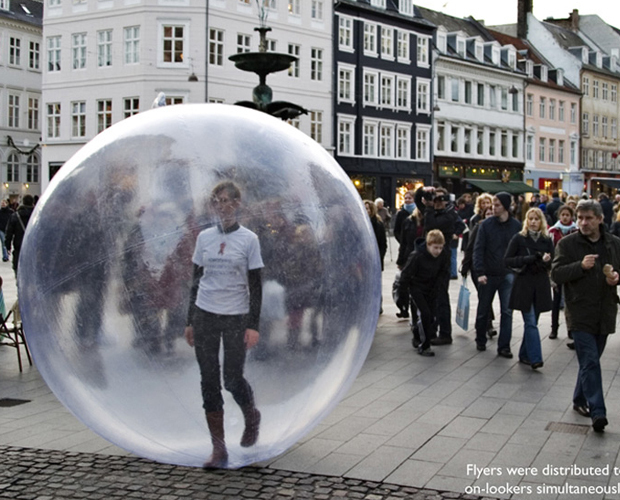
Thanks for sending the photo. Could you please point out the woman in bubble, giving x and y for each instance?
(529, 254)
(225, 308)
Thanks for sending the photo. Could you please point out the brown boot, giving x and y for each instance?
(219, 457)
(252, 423)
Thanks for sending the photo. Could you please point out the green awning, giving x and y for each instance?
(512, 187)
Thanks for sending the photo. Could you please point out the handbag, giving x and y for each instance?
(462, 309)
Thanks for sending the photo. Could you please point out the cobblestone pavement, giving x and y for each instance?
(32, 474)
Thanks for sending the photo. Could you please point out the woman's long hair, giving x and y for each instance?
(483, 196)
(541, 218)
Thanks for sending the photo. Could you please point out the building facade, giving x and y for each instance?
(383, 99)
(20, 98)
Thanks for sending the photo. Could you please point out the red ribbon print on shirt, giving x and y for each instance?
(222, 247)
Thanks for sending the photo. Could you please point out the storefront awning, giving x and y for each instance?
(490, 186)
(612, 183)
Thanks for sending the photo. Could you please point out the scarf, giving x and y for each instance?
(533, 234)
(564, 229)
(409, 207)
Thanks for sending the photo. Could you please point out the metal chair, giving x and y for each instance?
(12, 333)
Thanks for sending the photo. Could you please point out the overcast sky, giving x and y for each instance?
(505, 11)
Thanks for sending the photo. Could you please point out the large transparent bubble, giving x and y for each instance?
(106, 271)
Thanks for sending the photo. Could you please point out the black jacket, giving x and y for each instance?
(424, 272)
(591, 304)
(408, 236)
(15, 231)
(491, 245)
(379, 230)
(532, 285)
(552, 210)
(5, 217)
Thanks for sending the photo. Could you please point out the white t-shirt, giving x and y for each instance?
(226, 259)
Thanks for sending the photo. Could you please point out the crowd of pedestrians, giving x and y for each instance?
(538, 255)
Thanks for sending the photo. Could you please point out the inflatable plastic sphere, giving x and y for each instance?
(108, 262)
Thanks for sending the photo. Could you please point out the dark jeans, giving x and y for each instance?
(426, 317)
(555, 312)
(209, 329)
(589, 387)
(503, 286)
(530, 345)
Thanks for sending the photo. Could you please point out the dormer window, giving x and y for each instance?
(560, 77)
(479, 51)
(529, 68)
(495, 55)
(378, 3)
(584, 55)
(4, 4)
(460, 47)
(442, 42)
(405, 7)
(544, 73)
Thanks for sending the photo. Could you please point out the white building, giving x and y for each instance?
(20, 97)
(105, 60)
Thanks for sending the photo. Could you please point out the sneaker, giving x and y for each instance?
(505, 353)
(426, 352)
(599, 423)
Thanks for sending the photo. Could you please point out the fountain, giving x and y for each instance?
(263, 63)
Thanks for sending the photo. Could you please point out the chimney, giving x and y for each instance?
(525, 8)
(574, 20)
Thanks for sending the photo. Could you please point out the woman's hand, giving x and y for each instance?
(546, 257)
(189, 335)
(251, 338)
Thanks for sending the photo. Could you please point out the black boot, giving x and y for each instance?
(219, 457)
(252, 423)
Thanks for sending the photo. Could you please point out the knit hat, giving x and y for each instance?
(505, 199)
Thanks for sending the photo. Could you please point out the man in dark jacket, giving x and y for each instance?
(608, 209)
(17, 227)
(591, 302)
(492, 240)
(552, 208)
(5, 217)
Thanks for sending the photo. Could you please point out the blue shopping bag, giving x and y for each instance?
(462, 309)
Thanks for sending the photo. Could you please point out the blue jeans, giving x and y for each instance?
(530, 346)
(5, 254)
(503, 286)
(453, 268)
(589, 387)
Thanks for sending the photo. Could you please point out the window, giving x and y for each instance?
(561, 111)
(370, 139)
(422, 149)
(492, 143)
(402, 93)
(131, 106)
(132, 44)
(467, 141)
(316, 64)
(480, 142)
(78, 50)
(402, 46)
(316, 125)
(481, 94)
(172, 100)
(529, 105)
(405, 7)
(34, 55)
(529, 148)
(104, 48)
(585, 124)
(455, 90)
(423, 101)
(552, 150)
(614, 128)
(243, 43)
(605, 87)
(294, 50)
(53, 53)
(4, 4)
(504, 94)
(386, 141)
(387, 42)
(573, 112)
(541, 149)
(13, 109)
(454, 139)
(15, 51)
(216, 47)
(586, 86)
(402, 142)
(504, 143)
(573, 153)
(32, 169)
(515, 145)
(561, 151)
(604, 126)
(551, 109)
(173, 40)
(370, 38)
(294, 7)
(345, 33)
(53, 120)
(12, 168)
(493, 96)
(595, 125)
(515, 101)
(370, 88)
(614, 92)
(378, 3)
(345, 84)
(387, 90)
(345, 136)
(33, 113)
(441, 136)
(422, 51)
(541, 112)
(595, 89)
(584, 158)
(441, 87)
(316, 11)
(468, 92)
(104, 114)
(78, 119)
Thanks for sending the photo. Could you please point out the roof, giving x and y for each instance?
(451, 23)
(25, 11)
